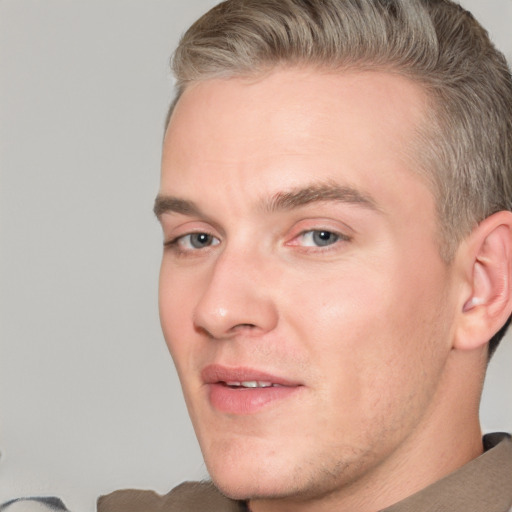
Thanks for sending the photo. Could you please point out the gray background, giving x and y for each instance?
(89, 401)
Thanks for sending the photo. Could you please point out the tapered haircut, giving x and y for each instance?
(463, 148)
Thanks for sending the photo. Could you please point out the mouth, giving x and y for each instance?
(251, 384)
(244, 390)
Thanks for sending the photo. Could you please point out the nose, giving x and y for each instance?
(236, 298)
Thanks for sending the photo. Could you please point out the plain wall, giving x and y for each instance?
(89, 401)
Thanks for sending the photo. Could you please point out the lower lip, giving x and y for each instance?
(246, 400)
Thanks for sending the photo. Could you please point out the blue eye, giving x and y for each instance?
(195, 241)
(319, 238)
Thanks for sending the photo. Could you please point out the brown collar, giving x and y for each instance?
(482, 485)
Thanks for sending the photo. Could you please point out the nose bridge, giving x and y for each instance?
(237, 295)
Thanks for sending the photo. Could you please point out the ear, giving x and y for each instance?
(486, 260)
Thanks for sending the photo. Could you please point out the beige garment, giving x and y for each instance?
(187, 497)
(483, 485)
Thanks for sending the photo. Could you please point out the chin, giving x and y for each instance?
(261, 478)
(249, 469)
(250, 476)
(251, 488)
(279, 486)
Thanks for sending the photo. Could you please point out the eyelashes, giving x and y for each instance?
(195, 241)
(320, 238)
(311, 240)
(191, 244)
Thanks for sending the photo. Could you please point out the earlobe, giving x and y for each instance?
(487, 260)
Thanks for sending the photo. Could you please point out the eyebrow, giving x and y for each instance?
(170, 204)
(316, 193)
(281, 201)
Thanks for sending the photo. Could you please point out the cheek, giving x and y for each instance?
(361, 330)
(176, 303)
(175, 299)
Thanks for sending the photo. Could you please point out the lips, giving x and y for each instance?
(245, 390)
(215, 373)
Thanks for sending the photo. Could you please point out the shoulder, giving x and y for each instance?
(187, 497)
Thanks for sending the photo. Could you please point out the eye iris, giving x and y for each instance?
(199, 240)
(322, 238)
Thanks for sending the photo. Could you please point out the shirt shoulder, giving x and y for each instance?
(187, 497)
(482, 485)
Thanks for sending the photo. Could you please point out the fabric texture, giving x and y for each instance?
(187, 497)
(482, 485)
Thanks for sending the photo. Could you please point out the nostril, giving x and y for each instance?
(203, 331)
(236, 328)
(223, 312)
(243, 328)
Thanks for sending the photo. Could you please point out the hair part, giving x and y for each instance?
(464, 146)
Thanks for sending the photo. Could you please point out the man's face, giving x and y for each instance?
(302, 294)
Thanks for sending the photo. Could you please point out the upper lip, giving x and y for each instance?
(215, 373)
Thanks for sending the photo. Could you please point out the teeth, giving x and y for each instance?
(250, 384)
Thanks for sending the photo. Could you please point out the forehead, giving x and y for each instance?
(290, 125)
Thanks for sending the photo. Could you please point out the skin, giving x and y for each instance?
(366, 323)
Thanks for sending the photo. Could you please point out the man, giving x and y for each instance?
(335, 201)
